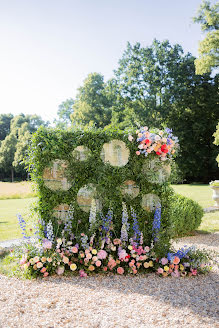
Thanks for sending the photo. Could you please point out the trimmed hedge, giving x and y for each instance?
(185, 215)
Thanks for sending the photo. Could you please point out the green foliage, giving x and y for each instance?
(185, 215)
(64, 112)
(208, 17)
(48, 145)
(93, 102)
(5, 121)
(216, 140)
(17, 131)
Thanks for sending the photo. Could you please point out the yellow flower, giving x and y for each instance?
(166, 268)
(43, 259)
(59, 241)
(35, 267)
(130, 247)
(146, 265)
(73, 266)
(94, 251)
(151, 264)
(181, 267)
(31, 261)
(25, 266)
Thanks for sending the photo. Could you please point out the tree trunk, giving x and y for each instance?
(12, 174)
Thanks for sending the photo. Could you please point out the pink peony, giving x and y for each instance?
(120, 270)
(102, 254)
(164, 261)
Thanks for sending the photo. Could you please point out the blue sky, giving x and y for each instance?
(48, 47)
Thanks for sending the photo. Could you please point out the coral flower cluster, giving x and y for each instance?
(161, 143)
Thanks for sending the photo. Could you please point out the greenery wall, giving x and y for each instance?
(49, 145)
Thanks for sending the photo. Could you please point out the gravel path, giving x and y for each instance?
(114, 301)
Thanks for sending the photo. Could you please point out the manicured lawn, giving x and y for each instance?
(203, 195)
(200, 193)
(9, 228)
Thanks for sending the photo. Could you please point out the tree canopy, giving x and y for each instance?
(208, 18)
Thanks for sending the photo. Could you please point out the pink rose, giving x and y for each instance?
(160, 270)
(45, 274)
(98, 263)
(74, 249)
(105, 268)
(43, 270)
(88, 256)
(138, 153)
(120, 270)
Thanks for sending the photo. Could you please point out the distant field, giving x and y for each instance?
(9, 190)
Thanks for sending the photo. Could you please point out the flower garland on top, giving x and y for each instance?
(161, 143)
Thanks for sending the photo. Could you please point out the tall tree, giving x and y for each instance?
(92, 105)
(5, 121)
(7, 151)
(65, 110)
(208, 17)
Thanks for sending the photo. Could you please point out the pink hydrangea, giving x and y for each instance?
(102, 254)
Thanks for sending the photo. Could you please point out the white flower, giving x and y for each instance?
(157, 138)
(130, 138)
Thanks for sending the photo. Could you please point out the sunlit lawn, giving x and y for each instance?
(9, 228)
(203, 195)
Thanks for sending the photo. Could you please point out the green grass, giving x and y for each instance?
(200, 193)
(9, 228)
(203, 195)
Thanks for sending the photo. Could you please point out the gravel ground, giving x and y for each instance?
(114, 301)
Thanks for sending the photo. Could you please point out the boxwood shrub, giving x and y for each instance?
(184, 214)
